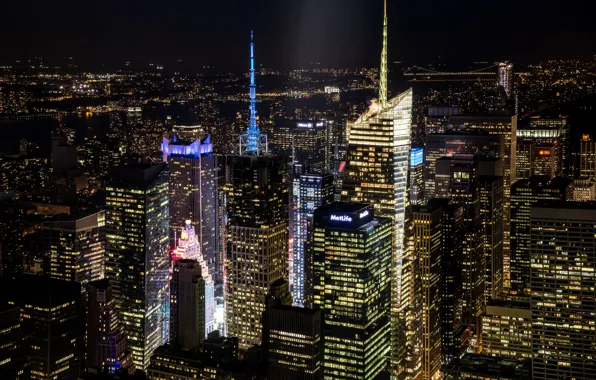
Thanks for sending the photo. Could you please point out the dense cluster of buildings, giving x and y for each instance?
(315, 248)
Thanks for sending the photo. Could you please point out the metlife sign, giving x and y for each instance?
(341, 218)
(350, 219)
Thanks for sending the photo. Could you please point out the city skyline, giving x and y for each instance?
(302, 224)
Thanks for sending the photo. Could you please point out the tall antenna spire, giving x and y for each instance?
(383, 79)
(253, 142)
(253, 129)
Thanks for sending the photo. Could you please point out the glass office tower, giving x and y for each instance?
(138, 257)
(350, 275)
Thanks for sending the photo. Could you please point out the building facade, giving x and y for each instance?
(427, 224)
(193, 195)
(309, 192)
(138, 258)
(524, 194)
(351, 283)
(188, 248)
(507, 329)
(257, 240)
(295, 347)
(187, 299)
(376, 172)
(75, 246)
(563, 249)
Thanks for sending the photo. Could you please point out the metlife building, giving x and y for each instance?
(349, 260)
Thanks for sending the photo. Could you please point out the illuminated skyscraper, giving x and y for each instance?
(552, 131)
(428, 230)
(376, 173)
(306, 141)
(188, 248)
(253, 142)
(257, 243)
(506, 77)
(563, 253)
(587, 158)
(351, 276)
(525, 194)
(506, 126)
(193, 195)
(457, 178)
(310, 192)
(455, 336)
(76, 247)
(138, 257)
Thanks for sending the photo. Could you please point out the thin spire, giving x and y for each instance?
(383, 73)
(253, 129)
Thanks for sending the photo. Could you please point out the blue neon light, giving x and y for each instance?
(416, 156)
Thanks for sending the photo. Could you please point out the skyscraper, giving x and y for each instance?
(506, 77)
(376, 173)
(257, 242)
(187, 305)
(138, 259)
(555, 131)
(106, 342)
(310, 191)
(563, 252)
(506, 126)
(458, 178)
(428, 230)
(455, 336)
(351, 276)
(587, 158)
(188, 248)
(193, 195)
(545, 132)
(76, 247)
(524, 194)
(306, 141)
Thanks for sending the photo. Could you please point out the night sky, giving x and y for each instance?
(293, 33)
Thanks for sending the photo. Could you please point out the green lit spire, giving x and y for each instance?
(383, 79)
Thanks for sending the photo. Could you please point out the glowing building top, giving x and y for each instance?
(253, 142)
(189, 248)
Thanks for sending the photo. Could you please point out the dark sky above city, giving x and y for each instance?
(292, 33)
